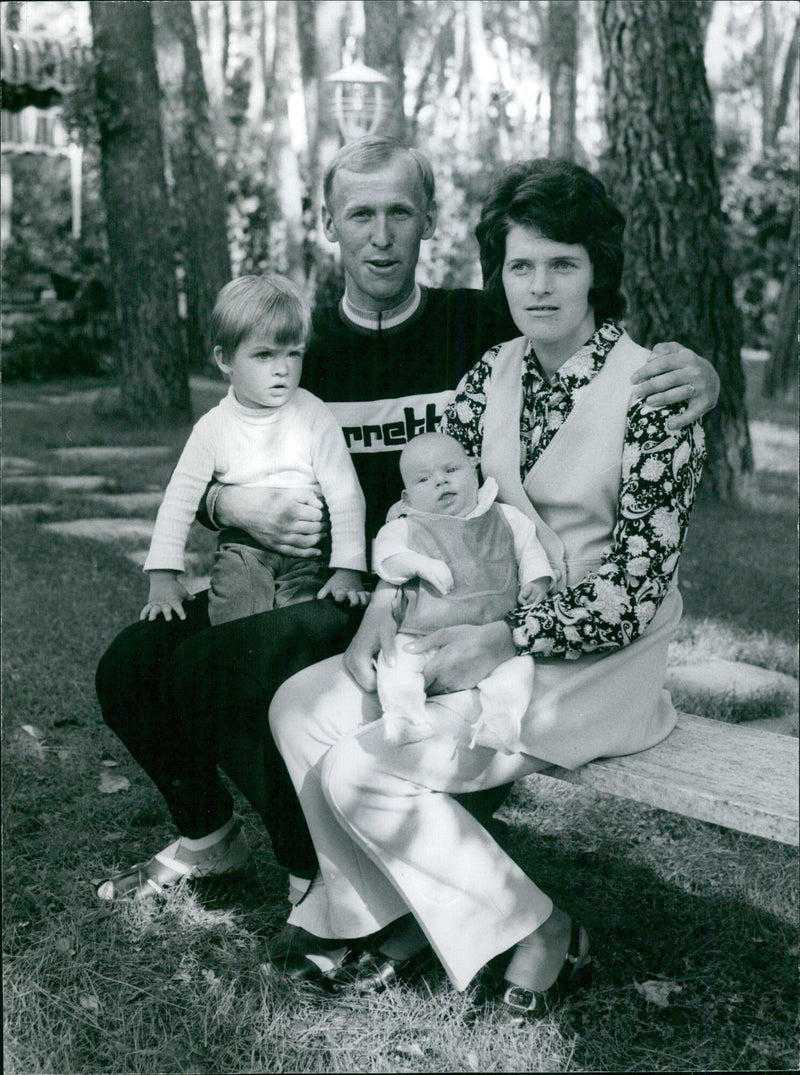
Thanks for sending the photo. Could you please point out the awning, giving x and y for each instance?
(38, 70)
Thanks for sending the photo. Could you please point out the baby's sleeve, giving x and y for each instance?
(391, 539)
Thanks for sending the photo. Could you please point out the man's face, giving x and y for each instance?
(379, 219)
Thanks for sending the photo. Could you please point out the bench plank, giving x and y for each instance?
(730, 774)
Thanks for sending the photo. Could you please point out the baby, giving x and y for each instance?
(460, 558)
(267, 431)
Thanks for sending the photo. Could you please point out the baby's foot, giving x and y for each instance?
(500, 733)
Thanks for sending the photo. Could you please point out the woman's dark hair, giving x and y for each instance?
(564, 203)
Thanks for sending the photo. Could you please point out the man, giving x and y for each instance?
(184, 698)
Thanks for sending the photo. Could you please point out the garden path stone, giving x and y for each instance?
(14, 464)
(128, 501)
(89, 395)
(108, 530)
(103, 453)
(719, 678)
(24, 511)
(66, 482)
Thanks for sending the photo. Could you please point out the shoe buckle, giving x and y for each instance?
(520, 999)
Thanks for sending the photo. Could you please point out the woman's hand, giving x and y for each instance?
(675, 374)
(376, 633)
(288, 521)
(460, 657)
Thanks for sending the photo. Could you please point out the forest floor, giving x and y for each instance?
(694, 927)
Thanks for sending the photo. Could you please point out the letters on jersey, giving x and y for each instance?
(380, 425)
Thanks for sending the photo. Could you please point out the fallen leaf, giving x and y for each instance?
(64, 944)
(90, 1002)
(109, 764)
(35, 742)
(658, 992)
(473, 1062)
(414, 1050)
(109, 784)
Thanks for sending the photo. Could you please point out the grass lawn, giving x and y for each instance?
(694, 927)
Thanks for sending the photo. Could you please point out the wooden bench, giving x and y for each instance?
(730, 774)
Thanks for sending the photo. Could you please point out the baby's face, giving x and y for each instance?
(439, 476)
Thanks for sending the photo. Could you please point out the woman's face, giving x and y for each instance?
(547, 286)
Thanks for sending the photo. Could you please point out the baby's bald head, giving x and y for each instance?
(438, 475)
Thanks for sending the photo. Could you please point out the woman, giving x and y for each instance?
(551, 418)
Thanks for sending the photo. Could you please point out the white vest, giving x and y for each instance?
(597, 705)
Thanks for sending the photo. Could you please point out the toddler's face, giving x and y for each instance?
(263, 373)
(439, 477)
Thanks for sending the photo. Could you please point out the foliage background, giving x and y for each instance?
(470, 109)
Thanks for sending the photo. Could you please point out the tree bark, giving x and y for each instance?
(788, 80)
(767, 65)
(781, 370)
(319, 32)
(562, 54)
(661, 169)
(197, 191)
(287, 234)
(383, 50)
(153, 376)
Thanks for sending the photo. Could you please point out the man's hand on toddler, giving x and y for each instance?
(167, 595)
(346, 585)
(531, 593)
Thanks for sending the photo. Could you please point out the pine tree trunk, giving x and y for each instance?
(197, 191)
(661, 169)
(562, 60)
(383, 51)
(287, 236)
(153, 377)
(781, 370)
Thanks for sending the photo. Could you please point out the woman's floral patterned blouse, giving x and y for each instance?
(660, 470)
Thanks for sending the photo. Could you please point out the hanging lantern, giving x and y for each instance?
(361, 98)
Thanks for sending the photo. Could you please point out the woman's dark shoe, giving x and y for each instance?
(317, 967)
(373, 972)
(574, 974)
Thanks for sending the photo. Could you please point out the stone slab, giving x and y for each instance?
(14, 464)
(774, 447)
(90, 395)
(14, 512)
(108, 530)
(129, 501)
(730, 679)
(63, 482)
(111, 453)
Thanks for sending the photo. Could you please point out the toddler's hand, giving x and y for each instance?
(531, 593)
(167, 595)
(345, 585)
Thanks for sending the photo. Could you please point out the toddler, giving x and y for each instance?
(267, 431)
(461, 558)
